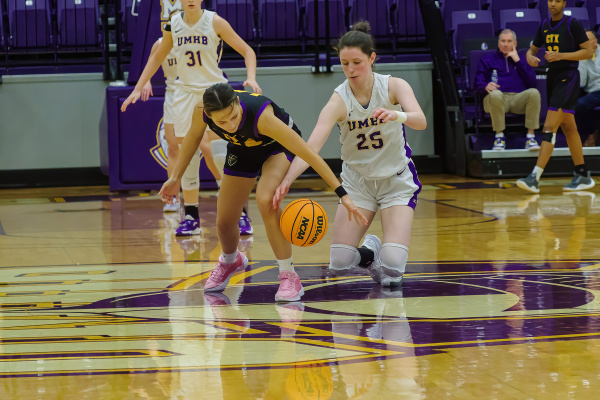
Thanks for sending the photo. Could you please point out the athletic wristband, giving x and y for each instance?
(401, 116)
(340, 191)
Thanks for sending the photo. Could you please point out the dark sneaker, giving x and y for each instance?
(580, 182)
(244, 225)
(530, 183)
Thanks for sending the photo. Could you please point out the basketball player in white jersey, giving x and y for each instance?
(196, 37)
(169, 67)
(378, 173)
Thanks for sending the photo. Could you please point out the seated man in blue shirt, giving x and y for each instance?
(510, 86)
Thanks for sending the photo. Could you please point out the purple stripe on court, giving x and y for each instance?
(262, 109)
(240, 173)
(412, 203)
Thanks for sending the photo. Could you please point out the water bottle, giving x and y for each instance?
(495, 76)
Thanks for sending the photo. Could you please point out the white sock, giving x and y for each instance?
(230, 258)
(538, 172)
(500, 134)
(286, 265)
(530, 135)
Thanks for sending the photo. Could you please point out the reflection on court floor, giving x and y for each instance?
(500, 300)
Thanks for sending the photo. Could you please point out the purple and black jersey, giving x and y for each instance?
(562, 36)
(247, 135)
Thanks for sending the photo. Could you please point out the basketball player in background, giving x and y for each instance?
(261, 136)
(377, 172)
(196, 37)
(169, 67)
(566, 43)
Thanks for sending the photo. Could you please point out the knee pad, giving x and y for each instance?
(219, 153)
(393, 258)
(549, 137)
(191, 177)
(343, 257)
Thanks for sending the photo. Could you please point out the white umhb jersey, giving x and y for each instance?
(198, 51)
(374, 149)
(169, 67)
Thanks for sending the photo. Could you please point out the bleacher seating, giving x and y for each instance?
(524, 22)
(239, 14)
(471, 30)
(3, 34)
(580, 13)
(29, 23)
(336, 22)
(449, 7)
(279, 22)
(593, 7)
(78, 23)
(377, 12)
(496, 6)
(408, 20)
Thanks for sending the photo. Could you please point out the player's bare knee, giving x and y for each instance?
(393, 258)
(342, 258)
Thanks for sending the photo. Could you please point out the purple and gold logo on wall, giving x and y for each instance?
(160, 152)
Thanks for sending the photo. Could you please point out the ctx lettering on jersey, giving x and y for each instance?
(302, 228)
(198, 39)
(552, 38)
(365, 123)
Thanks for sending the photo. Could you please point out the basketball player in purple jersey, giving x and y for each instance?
(566, 43)
(196, 37)
(260, 137)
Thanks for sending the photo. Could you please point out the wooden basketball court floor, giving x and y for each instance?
(99, 300)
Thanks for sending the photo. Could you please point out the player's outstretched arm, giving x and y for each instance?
(150, 69)
(147, 89)
(270, 125)
(334, 111)
(226, 32)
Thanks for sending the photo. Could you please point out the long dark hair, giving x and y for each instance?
(359, 37)
(218, 97)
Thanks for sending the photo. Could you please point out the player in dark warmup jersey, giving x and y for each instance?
(260, 136)
(566, 43)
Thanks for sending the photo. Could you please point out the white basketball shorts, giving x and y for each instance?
(184, 103)
(401, 189)
(168, 115)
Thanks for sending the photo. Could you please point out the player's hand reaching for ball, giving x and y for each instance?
(254, 85)
(169, 190)
(353, 211)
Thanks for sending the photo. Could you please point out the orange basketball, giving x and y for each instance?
(303, 222)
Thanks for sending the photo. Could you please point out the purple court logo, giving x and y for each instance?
(161, 150)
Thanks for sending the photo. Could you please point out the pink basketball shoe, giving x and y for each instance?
(219, 278)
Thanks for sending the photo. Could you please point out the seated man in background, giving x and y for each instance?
(510, 86)
(585, 116)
